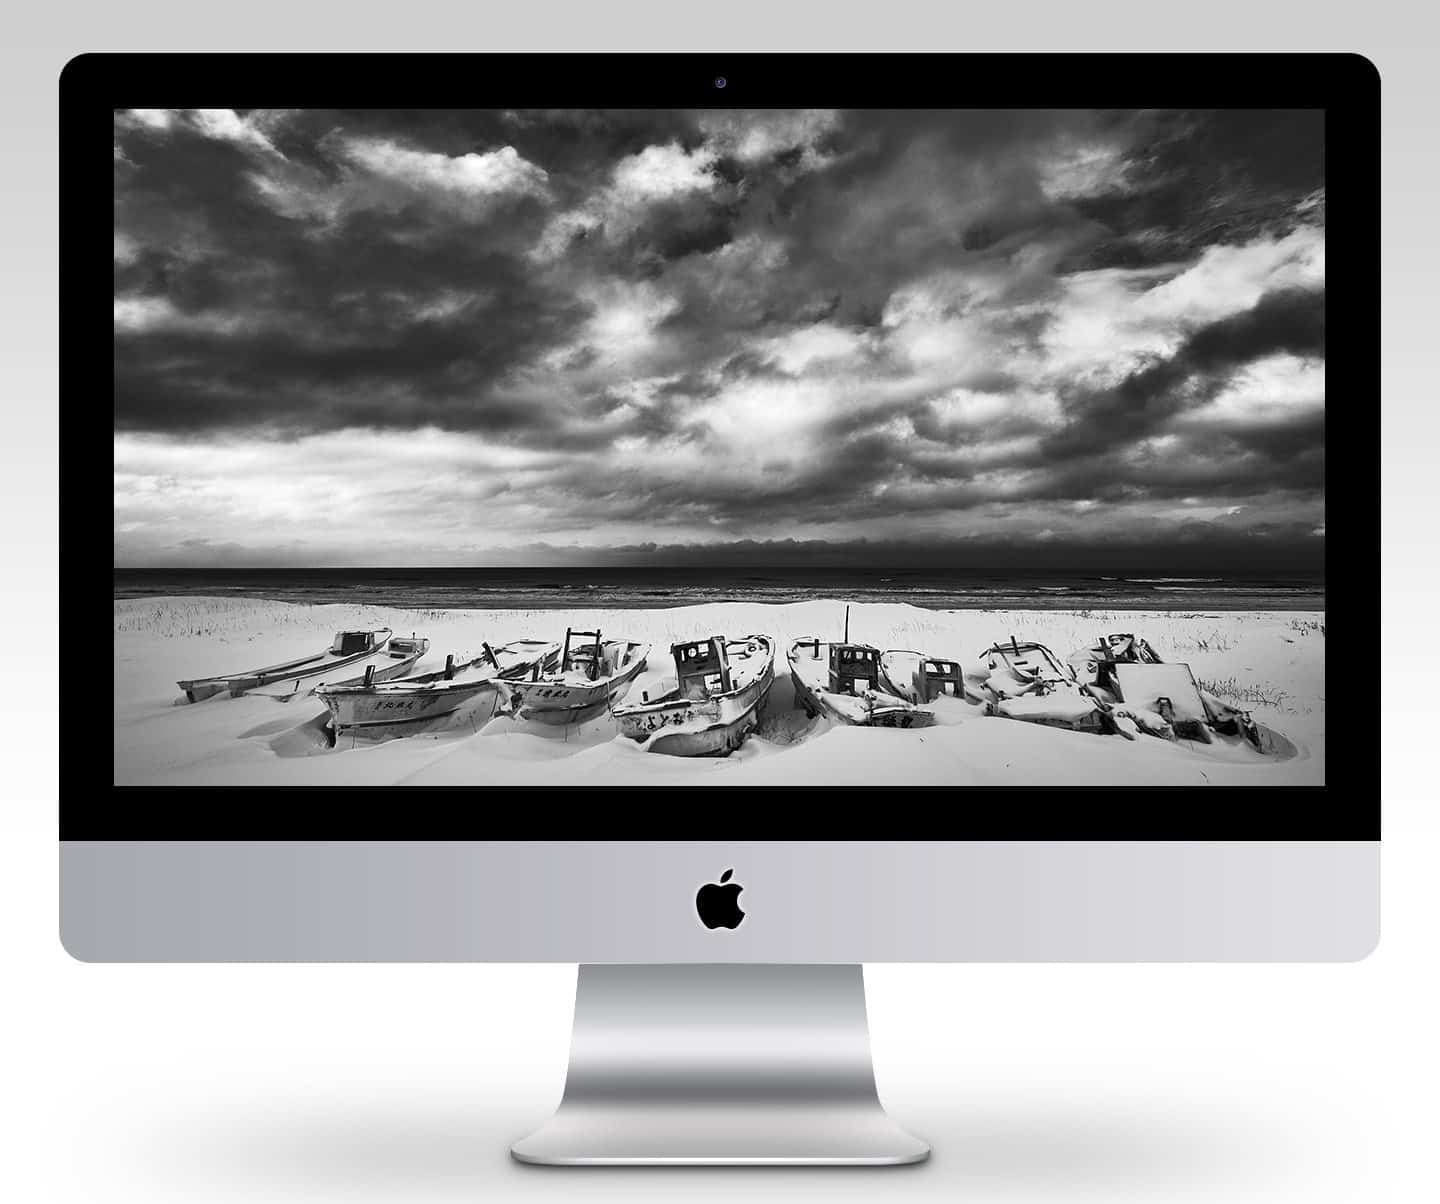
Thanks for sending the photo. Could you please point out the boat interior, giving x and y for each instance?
(702, 667)
(1128, 649)
(1028, 662)
(854, 668)
(586, 657)
(348, 643)
(405, 646)
(924, 678)
(709, 667)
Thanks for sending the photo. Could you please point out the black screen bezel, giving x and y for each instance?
(1346, 86)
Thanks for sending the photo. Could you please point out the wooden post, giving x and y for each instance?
(565, 656)
(449, 666)
(490, 652)
(846, 640)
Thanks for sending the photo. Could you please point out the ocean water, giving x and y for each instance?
(649, 588)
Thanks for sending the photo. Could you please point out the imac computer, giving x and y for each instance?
(720, 520)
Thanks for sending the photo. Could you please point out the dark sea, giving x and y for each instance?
(648, 588)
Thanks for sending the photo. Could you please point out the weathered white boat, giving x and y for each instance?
(371, 710)
(592, 674)
(920, 678)
(1024, 680)
(720, 697)
(395, 659)
(842, 680)
(346, 649)
(1124, 672)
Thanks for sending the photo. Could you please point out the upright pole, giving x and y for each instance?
(847, 625)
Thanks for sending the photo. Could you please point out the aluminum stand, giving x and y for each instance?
(700, 1065)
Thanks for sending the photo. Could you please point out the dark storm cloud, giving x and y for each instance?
(733, 324)
(1201, 178)
(1291, 322)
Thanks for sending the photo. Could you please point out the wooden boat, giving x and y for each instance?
(1124, 672)
(347, 648)
(593, 673)
(1025, 680)
(372, 710)
(394, 660)
(919, 677)
(721, 693)
(842, 680)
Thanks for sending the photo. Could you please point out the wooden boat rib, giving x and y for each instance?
(591, 675)
(721, 691)
(377, 710)
(840, 680)
(347, 648)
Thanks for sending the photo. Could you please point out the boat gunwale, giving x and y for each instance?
(395, 669)
(271, 674)
(631, 671)
(436, 682)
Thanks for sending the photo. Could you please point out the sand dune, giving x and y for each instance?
(1272, 663)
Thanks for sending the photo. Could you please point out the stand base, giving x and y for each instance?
(720, 1065)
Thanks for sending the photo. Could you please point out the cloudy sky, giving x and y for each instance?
(496, 337)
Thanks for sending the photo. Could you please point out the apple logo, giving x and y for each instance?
(719, 903)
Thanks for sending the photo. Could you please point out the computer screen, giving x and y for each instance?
(669, 447)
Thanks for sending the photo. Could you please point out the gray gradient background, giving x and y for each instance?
(1252, 1084)
(1403, 52)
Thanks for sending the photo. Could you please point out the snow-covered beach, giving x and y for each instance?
(1271, 663)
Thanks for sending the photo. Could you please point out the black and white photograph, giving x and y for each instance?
(724, 447)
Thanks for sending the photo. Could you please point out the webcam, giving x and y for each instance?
(719, 81)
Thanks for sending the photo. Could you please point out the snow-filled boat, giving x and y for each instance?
(919, 677)
(842, 680)
(395, 659)
(719, 699)
(346, 649)
(1025, 680)
(374, 710)
(593, 674)
(1123, 671)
